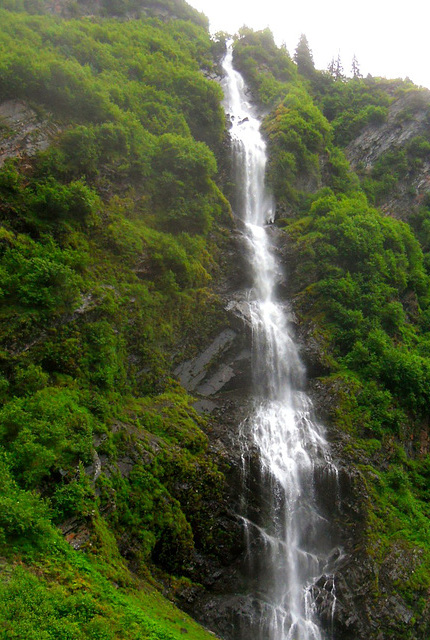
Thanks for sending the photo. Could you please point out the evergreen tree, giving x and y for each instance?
(338, 69)
(303, 58)
(355, 68)
(335, 68)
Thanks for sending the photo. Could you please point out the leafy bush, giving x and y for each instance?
(37, 275)
(24, 516)
(266, 67)
(297, 133)
(44, 432)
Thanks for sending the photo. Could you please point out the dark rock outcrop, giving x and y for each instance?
(224, 365)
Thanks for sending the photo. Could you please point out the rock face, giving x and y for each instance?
(408, 118)
(366, 606)
(222, 366)
(398, 129)
(23, 132)
(221, 373)
(220, 377)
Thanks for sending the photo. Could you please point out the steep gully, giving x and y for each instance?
(289, 497)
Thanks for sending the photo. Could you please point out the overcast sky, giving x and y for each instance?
(389, 39)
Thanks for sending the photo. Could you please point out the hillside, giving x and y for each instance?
(125, 348)
(111, 228)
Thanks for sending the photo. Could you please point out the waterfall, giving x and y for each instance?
(289, 478)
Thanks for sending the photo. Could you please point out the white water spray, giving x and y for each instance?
(288, 534)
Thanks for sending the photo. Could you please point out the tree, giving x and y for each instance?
(338, 71)
(303, 58)
(356, 73)
(335, 68)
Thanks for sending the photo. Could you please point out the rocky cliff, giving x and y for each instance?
(405, 128)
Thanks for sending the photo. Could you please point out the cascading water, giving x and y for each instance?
(289, 536)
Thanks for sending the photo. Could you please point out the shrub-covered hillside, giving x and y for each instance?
(360, 283)
(110, 222)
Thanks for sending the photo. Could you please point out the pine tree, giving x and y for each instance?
(303, 58)
(338, 69)
(355, 68)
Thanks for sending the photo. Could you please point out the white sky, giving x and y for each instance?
(389, 39)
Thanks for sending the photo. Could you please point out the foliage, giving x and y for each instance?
(98, 72)
(108, 246)
(23, 515)
(369, 280)
(303, 58)
(67, 598)
(297, 134)
(352, 104)
(42, 429)
(266, 67)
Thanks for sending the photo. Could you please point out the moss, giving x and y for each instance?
(74, 599)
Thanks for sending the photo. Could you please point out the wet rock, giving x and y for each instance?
(193, 372)
(23, 132)
(235, 277)
(76, 532)
(95, 469)
(125, 465)
(204, 406)
(218, 381)
(361, 610)
(224, 365)
(238, 306)
(231, 617)
(324, 597)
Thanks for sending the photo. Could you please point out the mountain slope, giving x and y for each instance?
(119, 257)
(111, 223)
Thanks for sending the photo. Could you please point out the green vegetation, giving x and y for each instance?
(297, 134)
(109, 240)
(68, 597)
(265, 67)
(352, 105)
